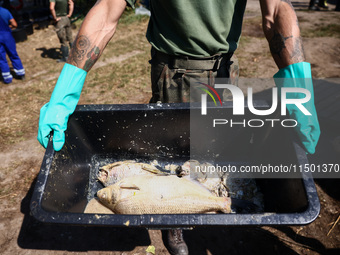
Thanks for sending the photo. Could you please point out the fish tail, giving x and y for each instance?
(226, 206)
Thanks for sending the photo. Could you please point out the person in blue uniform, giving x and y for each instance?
(8, 46)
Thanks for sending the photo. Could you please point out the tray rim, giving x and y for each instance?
(171, 220)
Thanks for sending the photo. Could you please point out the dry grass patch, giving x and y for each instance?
(117, 82)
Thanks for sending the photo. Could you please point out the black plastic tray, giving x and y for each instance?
(99, 134)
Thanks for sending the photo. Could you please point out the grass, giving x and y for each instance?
(19, 114)
(121, 82)
(129, 17)
(252, 27)
(330, 30)
(23, 178)
(248, 66)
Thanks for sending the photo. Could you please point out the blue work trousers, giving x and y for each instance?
(8, 46)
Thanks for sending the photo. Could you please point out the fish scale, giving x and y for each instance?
(161, 195)
(185, 204)
(114, 172)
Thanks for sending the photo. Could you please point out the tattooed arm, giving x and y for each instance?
(282, 31)
(96, 31)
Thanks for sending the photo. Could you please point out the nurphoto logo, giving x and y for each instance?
(238, 101)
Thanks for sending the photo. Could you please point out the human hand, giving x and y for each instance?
(299, 75)
(54, 115)
(53, 120)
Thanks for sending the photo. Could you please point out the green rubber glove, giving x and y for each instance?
(54, 115)
(299, 75)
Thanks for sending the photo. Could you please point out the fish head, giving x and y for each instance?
(108, 196)
(105, 172)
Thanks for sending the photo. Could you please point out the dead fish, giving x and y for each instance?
(112, 173)
(203, 173)
(243, 192)
(94, 206)
(156, 194)
(173, 168)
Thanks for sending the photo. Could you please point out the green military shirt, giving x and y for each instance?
(197, 28)
(60, 7)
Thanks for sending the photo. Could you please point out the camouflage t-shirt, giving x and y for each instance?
(197, 28)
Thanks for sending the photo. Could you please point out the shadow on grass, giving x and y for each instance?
(53, 53)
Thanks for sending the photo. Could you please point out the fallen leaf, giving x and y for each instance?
(151, 249)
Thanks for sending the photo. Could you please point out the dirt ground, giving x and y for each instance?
(21, 154)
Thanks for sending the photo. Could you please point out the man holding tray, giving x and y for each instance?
(189, 39)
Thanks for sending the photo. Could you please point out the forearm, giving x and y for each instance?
(52, 10)
(70, 8)
(281, 29)
(96, 31)
(13, 24)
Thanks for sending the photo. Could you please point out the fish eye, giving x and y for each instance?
(101, 194)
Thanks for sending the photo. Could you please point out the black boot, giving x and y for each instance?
(337, 8)
(323, 4)
(64, 53)
(173, 240)
(312, 5)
